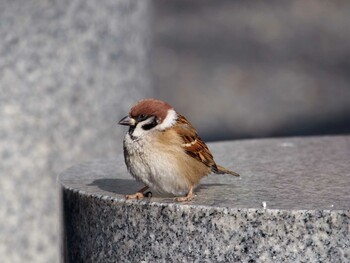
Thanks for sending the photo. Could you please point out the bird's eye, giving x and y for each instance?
(142, 117)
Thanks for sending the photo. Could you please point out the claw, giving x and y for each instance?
(139, 194)
(186, 198)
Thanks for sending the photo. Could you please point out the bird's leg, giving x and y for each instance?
(188, 197)
(138, 195)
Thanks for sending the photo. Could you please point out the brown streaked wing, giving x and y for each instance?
(193, 144)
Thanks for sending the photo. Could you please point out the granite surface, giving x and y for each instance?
(69, 70)
(291, 204)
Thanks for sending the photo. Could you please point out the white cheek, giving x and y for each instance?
(139, 132)
(169, 120)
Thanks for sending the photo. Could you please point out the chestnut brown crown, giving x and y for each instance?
(150, 107)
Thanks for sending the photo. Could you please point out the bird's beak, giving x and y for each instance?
(127, 121)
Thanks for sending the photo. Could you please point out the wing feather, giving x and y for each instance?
(193, 144)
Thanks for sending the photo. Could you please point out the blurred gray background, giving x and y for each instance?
(245, 69)
(69, 70)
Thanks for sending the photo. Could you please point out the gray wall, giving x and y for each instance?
(241, 69)
(69, 70)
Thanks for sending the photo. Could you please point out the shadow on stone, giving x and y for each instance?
(129, 186)
(118, 186)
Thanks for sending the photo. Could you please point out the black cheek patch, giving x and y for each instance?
(151, 125)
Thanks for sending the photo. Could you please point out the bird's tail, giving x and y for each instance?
(223, 170)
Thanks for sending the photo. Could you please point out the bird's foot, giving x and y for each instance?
(139, 194)
(186, 198)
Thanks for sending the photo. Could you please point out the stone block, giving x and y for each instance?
(291, 204)
(69, 70)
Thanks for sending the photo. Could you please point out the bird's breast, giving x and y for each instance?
(155, 165)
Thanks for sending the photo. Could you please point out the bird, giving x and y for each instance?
(163, 150)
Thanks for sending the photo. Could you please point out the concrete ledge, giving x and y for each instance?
(303, 181)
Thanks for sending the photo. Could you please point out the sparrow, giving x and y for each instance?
(163, 150)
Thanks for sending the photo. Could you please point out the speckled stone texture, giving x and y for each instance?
(304, 183)
(69, 70)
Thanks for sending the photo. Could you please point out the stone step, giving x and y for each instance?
(291, 204)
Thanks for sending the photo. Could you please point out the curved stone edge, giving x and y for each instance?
(146, 201)
(105, 228)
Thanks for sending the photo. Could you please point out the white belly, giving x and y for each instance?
(155, 168)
